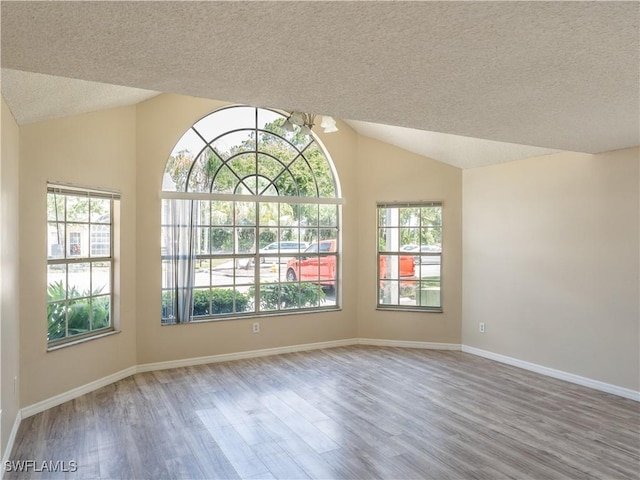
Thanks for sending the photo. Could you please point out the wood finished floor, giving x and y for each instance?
(352, 412)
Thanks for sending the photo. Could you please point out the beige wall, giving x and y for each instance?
(9, 247)
(161, 121)
(541, 216)
(93, 150)
(385, 174)
(551, 263)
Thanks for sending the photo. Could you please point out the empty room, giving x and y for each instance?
(325, 240)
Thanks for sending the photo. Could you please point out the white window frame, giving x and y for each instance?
(65, 260)
(394, 272)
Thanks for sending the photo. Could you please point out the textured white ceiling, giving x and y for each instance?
(33, 97)
(562, 75)
(463, 152)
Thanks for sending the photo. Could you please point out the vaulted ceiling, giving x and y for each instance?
(468, 83)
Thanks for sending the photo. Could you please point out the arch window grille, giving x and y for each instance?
(250, 220)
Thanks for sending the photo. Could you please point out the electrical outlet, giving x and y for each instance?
(481, 327)
(256, 327)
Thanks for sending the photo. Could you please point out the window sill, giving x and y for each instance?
(407, 309)
(53, 348)
(277, 313)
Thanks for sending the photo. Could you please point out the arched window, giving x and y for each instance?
(250, 220)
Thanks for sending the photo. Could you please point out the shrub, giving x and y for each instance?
(76, 312)
(221, 302)
(279, 296)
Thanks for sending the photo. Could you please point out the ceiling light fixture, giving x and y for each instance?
(306, 122)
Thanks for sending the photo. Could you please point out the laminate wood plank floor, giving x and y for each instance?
(344, 413)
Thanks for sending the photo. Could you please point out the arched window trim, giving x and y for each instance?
(256, 196)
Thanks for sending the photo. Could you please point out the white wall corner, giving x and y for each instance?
(76, 392)
(559, 374)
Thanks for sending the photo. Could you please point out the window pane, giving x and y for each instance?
(246, 238)
(389, 239)
(225, 120)
(77, 208)
(269, 213)
(270, 296)
(304, 178)
(432, 236)
(100, 241)
(56, 240)
(389, 266)
(245, 213)
(409, 236)
(389, 217)
(225, 181)
(409, 216)
(78, 316)
(269, 167)
(428, 294)
(328, 234)
(389, 292)
(100, 210)
(190, 144)
(223, 270)
(328, 215)
(321, 170)
(204, 212)
(55, 207)
(245, 276)
(408, 294)
(201, 302)
(203, 171)
(168, 303)
(101, 278)
(221, 240)
(77, 240)
(221, 213)
(431, 216)
(100, 312)
(202, 240)
(56, 321)
(79, 279)
(56, 282)
(202, 276)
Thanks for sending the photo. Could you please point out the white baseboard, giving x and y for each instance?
(76, 392)
(148, 367)
(559, 374)
(12, 439)
(225, 357)
(407, 344)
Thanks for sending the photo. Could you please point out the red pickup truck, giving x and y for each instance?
(322, 269)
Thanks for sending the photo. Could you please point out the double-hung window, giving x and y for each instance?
(410, 256)
(80, 259)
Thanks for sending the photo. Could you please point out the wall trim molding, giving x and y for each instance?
(408, 344)
(552, 372)
(76, 392)
(12, 439)
(226, 357)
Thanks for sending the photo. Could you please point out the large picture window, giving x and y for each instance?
(250, 220)
(79, 263)
(410, 256)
